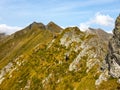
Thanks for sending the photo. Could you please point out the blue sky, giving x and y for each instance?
(16, 14)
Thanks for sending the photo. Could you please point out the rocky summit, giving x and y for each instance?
(113, 56)
(47, 57)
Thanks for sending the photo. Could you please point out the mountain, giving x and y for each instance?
(47, 57)
(53, 27)
(36, 25)
(101, 33)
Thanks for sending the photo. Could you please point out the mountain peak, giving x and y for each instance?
(116, 30)
(75, 29)
(98, 30)
(113, 56)
(53, 27)
(36, 25)
(51, 22)
(34, 22)
(117, 22)
(50, 26)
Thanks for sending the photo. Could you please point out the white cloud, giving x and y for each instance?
(104, 20)
(8, 29)
(98, 19)
(84, 26)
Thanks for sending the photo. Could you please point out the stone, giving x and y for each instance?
(113, 56)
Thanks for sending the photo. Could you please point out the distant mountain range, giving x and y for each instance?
(48, 57)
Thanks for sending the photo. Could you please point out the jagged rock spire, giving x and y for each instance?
(113, 56)
(116, 30)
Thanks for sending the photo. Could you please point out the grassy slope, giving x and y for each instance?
(18, 44)
(41, 62)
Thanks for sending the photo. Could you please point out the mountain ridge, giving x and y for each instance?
(47, 57)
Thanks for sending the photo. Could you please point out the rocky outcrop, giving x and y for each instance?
(113, 56)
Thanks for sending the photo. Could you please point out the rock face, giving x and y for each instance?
(113, 56)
